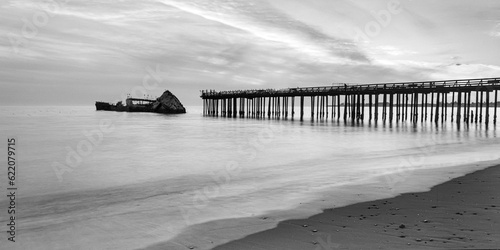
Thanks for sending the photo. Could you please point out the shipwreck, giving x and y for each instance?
(167, 103)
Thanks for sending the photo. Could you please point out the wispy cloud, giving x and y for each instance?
(106, 45)
(263, 21)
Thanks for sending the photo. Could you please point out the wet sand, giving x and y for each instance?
(459, 214)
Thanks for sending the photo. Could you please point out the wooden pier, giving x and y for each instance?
(465, 100)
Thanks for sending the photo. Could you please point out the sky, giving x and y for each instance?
(76, 52)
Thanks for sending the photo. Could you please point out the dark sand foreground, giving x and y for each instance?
(459, 214)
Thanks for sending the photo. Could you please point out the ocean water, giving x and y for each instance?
(106, 180)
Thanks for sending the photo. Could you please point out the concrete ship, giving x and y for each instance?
(167, 103)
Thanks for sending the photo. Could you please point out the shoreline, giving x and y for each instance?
(463, 212)
(223, 233)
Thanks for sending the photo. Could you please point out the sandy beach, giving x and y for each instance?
(459, 214)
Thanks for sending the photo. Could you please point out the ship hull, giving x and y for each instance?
(103, 106)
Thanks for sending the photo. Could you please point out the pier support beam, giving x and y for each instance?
(487, 116)
(312, 107)
(415, 119)
(425, 110)
(362, 107)
(235, 107)
(345, 107)
(481, 107)
(431, 118)
(477, 107)
(412, 107)
(353, 107)
(406, 107)
(269, 107)
(384, 108)
(496, 106)
(445, 107)
(398, 107)
(468, 106)
(338, 107)
(333, 106)
(391, 107)
(453, 105)
(326, 111)
(302, 108)
(370, 106)
(422, 108)
(436, 119)
(358, 108)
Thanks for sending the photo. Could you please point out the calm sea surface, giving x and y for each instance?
(106, 180)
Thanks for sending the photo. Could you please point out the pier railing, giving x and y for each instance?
(420, 87)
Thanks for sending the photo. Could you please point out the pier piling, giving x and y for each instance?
(390, 102)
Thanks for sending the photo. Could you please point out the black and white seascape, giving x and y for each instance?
(151, 177)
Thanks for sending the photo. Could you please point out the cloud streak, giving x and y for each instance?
(263, 21)
(99, 49)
